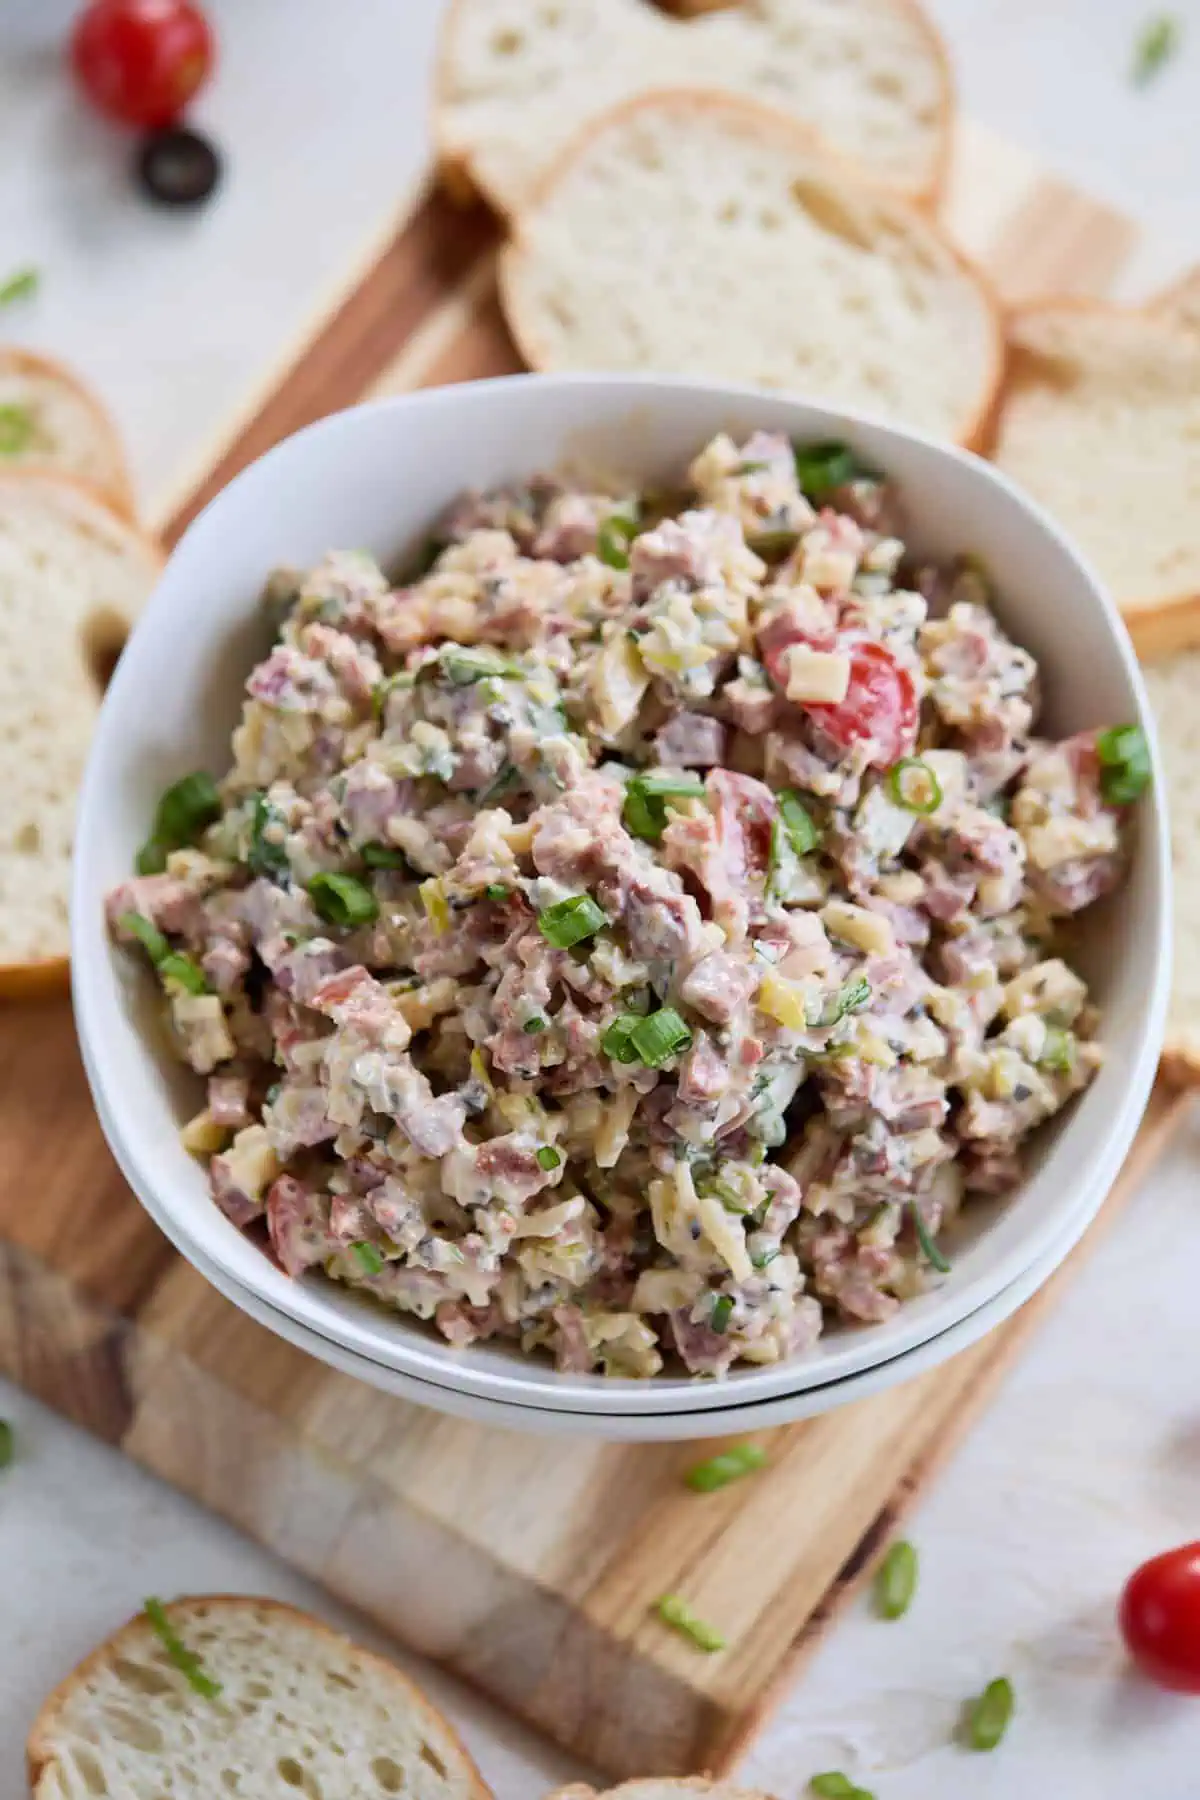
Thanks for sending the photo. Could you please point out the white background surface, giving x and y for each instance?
(1090, 1457)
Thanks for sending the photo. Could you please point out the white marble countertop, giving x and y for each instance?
(1089, 1458)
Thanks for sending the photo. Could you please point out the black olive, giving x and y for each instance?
(177, 167)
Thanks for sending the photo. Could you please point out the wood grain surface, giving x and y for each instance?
(527, 1565)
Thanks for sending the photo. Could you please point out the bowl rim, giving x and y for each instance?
(409, 1350)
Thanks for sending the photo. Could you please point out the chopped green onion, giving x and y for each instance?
(265, 856)
(548, 1157)
(989, 1713)
(679, 1616)
(368, 1256)
(613, 539)
(496, 890)
(463, 665)
(1124, 763)
(644, 813)
(722, 1310)
(343, 900)
(1157, 43)
(1058, 1050)
(896, 1581)
(383, 856)
(929, 1249)
(803, 833)
(20, 286)
(437, 907)
(534, 1024)
(851, 997)
(151, 859)
(148, 935)
(913, 785)
(659, 1036)
(616, 1040)
(820, 468)
(571, 921)
(751, 468)
(185, 1660)
(186, 810)
(773, 546)
(730, 1465)
(17, 430)
(762, 1259)
(183, 971)
(7, 1444)
(833, 1785)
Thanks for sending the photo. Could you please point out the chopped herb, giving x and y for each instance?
(1058, 1050)
(178, 970)
(730, 1465)
(534, 1024)
(679, 1616)
(462, 666)
(645, 810)
(548, 1157)
(17, 430)
(185, 1660)
(989, 1713)
(762, 1259)
(722, 1311)
(7, 1444)
(506, 775)
(383, 856)
(21, 286)
(804, 834)
(773, 546)
(368, 1256)
(184, 813)
(833, 1785)
(496, 890)
(148, 935)
(660, 1036)
(929, 1249)
(751, 468)
(914, 786)
(343, 900)
(616, 1041)
(851, 997)
(896, 1581)
(265, 856)
(614, 537)
(1157, 42)
(1124, 763)
(820, 468)
(571, 921)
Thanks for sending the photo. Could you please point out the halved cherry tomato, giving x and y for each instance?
(880, 706)
(1159, 1617)
(142, 61)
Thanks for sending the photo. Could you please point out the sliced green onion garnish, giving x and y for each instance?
(1157, 43)
(896, 1581)
(20, 286)
(185, 1660)
(929, 1249)
(613, 539)
(148, 935)
(462, 665)
(548, 1157)
(730, 1465)
(265, 856)
(913, 785)
(773, 546)
(833, 1785)
(151, 859)
(342, 899)
(1058, 1050)
(722, 1311)
(183, 814)
(16, 430)
(762, 1259)
(177, 970)
(988, 1715)
(659, 1036)
(383, 856)
(1124, 763)
(368, 1256)
(616, 1040)
(496, 890)
(534, 1024)
(679, 1616)
(644, 813)
(851, 997)
(571, 921)
(7, 1444)
(820, 468)
(804, 834)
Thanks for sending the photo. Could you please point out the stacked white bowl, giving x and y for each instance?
(378, 476)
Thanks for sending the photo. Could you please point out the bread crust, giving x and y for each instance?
(976, 425)
(117, 490)
(39, 1749)
(460, 174)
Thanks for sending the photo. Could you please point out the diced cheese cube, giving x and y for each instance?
(817, 675)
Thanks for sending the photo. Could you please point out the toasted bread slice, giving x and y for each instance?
(73, 577)
(689, 233)
(300, 1709)
(49, 421)
(1100, 422)
(516, 82)
(1173, 683)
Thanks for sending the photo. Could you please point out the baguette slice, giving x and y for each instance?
(302, 1710)
(689, 233)
(73, 578)
(50, 421)
(516, 80)
(1173, 684)
(1100, 422)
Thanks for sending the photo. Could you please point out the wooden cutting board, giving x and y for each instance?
(527, 1565)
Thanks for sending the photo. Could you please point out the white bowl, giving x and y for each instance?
(377, 476)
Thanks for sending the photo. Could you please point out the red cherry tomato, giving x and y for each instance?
(141, 61)
(880, 706)
(1160, 1618)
